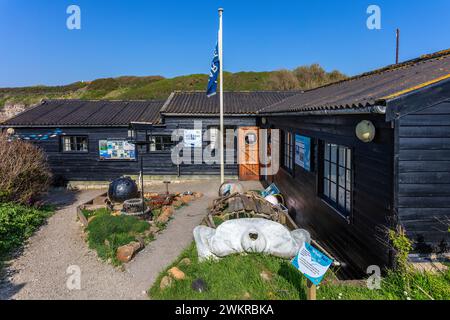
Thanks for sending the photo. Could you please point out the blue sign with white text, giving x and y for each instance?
(303, 152)
(312, 263)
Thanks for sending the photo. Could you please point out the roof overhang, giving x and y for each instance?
(208, 115)
(376, 109)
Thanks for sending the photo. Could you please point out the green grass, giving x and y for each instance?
(17, 224)
(106, 233)
(234, 276)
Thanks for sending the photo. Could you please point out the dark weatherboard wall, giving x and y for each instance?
(423, 166)
(88, 166)
(361, 240)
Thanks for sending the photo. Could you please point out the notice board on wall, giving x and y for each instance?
(116, 149)
(192, 138)
(303, 152)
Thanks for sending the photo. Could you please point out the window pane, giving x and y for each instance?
(333, 172)
(75, 144)
(334, 153)
(342, 177)
(336, 176)
(333, 192)
(342, 156)
(327, 151)
(326, 188)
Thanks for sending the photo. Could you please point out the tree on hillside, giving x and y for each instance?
(314, 76)
(283, 80)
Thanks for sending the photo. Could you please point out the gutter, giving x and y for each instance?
(377, 109)
(208, 115)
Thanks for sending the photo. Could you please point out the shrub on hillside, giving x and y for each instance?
(24, 172)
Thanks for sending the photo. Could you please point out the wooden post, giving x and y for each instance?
(397, 46)
(311, 290)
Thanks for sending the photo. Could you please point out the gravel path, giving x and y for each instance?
(39, 272)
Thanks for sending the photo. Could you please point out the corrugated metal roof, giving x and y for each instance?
(235, 103)
(369, 89)
(88, 113)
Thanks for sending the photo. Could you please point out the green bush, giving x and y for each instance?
(106, 233)
(17, 223)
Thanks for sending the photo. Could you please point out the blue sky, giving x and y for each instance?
(174, 37)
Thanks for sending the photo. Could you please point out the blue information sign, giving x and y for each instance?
(303, 152)
(312, 263)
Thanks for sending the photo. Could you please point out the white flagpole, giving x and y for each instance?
(222, 165)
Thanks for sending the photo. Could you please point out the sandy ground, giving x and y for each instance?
(40, 270)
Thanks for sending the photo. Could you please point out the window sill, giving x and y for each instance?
(117, 160)
(339, 213)
(75, 152)
(159, 152)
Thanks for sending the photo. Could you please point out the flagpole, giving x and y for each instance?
(220, 41)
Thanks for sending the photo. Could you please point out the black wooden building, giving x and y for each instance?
(75, 154)
(347, 192)
(352, 191)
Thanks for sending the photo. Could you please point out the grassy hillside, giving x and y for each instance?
(157, 87)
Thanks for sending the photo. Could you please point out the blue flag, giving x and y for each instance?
(214, 73)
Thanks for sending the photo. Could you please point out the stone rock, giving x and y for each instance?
(137, 245)
(162, 218)
(166, 282)
(266, 275)
(185, 262)
(177, 203)
(141, 241)
(187, 198)
(198, 195)
(199, 285)
(154, 229)
(168, 210)
(126, 253)
(166, 213)
(177, 274)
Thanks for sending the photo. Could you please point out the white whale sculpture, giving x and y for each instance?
(248, 235)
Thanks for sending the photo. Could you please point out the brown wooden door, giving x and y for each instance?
(248, 153)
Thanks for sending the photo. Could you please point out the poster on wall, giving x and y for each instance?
(116, 150)
(303, 152)
(192, 138)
